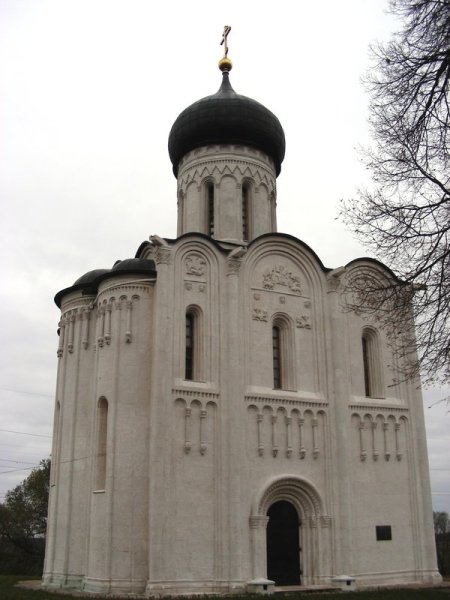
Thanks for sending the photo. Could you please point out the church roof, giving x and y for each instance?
(89, 282)
(227, 118)
(89, 277)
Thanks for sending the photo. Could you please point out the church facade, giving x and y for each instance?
(222, 420)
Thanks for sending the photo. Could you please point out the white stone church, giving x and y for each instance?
(222, 421)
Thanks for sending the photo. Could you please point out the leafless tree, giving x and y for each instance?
(404, 218)
(441, 522)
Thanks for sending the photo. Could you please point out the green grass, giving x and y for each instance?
(9, 592)
(397, 594)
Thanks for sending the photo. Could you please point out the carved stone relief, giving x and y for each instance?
(163, 255)
(259, 314)
(281, 276)
(334, 279)
(195, 265)
(194, 286)
(303, 322)
(233, 266)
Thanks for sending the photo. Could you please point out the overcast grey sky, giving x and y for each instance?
(89, 90)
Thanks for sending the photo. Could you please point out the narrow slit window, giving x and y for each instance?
(366, 366)
(189, 355)
(372, 364)
(102, 429)
(210, 207)
(245, 212)
(276, 350)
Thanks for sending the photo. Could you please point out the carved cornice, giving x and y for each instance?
(131, 288)
(280, 400)
(378, 408)
(207, 166)
(224, 154)
(85, 302)
(257, 289)
(189, 393)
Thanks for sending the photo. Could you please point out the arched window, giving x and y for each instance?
(273, 212)
(193, 345)
(282, 354)
(102, 430)
(246, 211)
(276, 353)
(366, 364)
(210, 208)
(189, 356)
(372, 371)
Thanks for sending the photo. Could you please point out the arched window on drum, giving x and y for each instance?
(246, 210)
(210, 207)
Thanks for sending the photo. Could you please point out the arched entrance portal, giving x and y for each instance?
(295, 503)
(283, 544)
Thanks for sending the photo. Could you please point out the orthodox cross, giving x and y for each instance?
(226, 31)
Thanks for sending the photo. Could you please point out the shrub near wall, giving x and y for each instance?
(22, 557)
(443, 553)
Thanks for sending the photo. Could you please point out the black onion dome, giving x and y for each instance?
(134, 265)
(89, 282)
(227, 118)
(89, 277)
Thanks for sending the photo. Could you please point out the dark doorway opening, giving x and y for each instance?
(283, 544)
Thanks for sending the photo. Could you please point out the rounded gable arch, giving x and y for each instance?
(272, 247)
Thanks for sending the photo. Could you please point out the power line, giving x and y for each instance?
(26, 433)
(15, 470)
(4, 389)
(60, 462)
(19, 462)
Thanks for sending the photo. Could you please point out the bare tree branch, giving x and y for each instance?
(405, 217)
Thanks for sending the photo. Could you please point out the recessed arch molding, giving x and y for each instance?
(297, 490)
